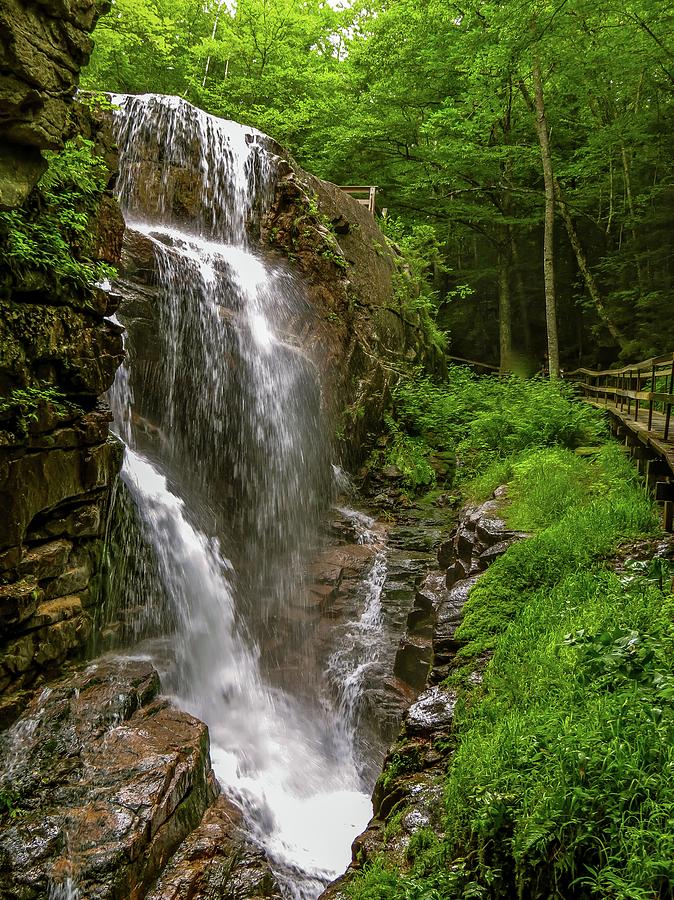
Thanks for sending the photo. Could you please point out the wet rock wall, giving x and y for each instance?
(409, 791)
(58, 355)
(362, 336)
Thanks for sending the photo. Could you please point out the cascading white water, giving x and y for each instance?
(228, 475)
(361, 640)
(65, 890)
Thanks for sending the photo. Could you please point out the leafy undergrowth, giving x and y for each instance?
(481, 420)
(561, 785)
(52, 232)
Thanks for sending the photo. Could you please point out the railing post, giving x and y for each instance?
(629, 399)
(636, 402)
(650, 402)
(669, 405)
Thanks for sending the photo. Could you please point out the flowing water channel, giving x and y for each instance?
(226, 477)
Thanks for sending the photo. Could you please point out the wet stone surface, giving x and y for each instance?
(411, 785)
(217, 862)
(106, 779)
(434, 709)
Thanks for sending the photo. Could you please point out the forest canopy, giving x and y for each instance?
(492, 130)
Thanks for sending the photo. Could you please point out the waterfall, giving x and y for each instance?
(227, 473)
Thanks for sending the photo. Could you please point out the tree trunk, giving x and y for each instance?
(549, 226)
(588, 277)
(504, 314)
(633, 231)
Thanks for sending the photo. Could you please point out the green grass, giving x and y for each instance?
(562, 784)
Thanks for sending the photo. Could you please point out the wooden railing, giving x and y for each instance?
(473, 363)
(355, 189)
(639, 400)
(643, 391)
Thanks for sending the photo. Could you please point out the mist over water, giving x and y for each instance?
(222, 503)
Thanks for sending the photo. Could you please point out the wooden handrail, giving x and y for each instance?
(623, 387)
(634, 367)
(473, 362)
(623, 393)
(369, 189)
(632, 395)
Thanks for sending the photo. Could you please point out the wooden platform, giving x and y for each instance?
(652, 438)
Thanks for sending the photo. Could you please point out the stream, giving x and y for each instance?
(227, 479)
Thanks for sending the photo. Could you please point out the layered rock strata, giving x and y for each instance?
(43, 46)
(106, 779)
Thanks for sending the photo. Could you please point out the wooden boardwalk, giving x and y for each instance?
(639, 400)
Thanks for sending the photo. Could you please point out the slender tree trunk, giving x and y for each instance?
(504, 258)
(585, 271)
(549, 223)
(504, 313)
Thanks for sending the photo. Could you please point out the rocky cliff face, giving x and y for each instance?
(363, 333)
(58, 354)
(357, 334)
(43, 46)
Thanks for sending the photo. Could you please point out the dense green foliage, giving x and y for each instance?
(432, 102)
(480, 420)
(51, 233)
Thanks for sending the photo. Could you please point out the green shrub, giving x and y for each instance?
(419, 256)
(410, 455)
(51, 233)
(484, 420)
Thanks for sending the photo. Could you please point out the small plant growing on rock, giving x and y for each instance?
(51, 233)
(24, 405)
(9, 803)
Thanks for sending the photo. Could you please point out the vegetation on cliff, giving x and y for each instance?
(52, 232)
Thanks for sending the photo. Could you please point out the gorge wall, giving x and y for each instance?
(358, 284)
(58, 355)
